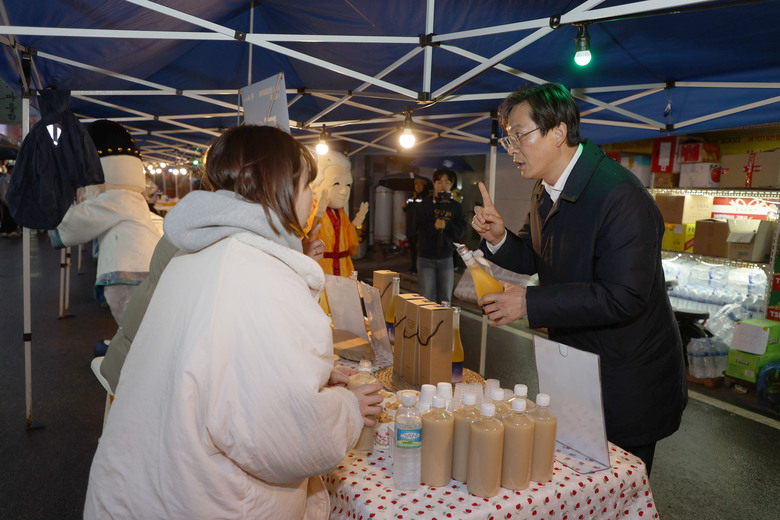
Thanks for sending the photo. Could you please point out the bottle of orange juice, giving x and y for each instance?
(390, 312)
(484, 283)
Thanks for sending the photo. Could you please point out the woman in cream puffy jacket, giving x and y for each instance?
(229, 405)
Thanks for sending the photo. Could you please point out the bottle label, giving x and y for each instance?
(408, 439)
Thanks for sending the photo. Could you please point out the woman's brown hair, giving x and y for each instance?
(262, 164)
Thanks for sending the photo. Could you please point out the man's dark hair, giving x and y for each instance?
(551, 104)
(451, 175)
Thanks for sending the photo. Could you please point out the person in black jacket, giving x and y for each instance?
(439, 221)
(410, 207)
(593, 235)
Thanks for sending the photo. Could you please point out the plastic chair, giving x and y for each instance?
(95, 365)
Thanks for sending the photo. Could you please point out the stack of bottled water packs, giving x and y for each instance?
(707, 357)
(704, 287)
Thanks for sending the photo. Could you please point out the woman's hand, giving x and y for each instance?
(340, 375)
(312, 246)
(370, 402)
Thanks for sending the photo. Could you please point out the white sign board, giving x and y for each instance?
(380, 342)
(572, 378)
(265, 103)
(344, 302)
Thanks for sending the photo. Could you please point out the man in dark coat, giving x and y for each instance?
(594, 237)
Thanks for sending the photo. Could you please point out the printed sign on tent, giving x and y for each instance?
(265, 103)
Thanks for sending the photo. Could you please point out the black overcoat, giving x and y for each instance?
(601, 289)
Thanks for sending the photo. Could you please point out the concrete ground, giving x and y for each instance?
(722, 464)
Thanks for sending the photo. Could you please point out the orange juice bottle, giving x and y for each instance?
(390, 312)
(484, 283)
(458, 355)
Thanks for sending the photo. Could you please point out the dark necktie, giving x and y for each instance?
(546, 206)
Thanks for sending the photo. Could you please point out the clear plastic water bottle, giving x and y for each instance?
(408, 440)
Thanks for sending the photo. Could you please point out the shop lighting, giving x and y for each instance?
(163, 165)
(407, 138)
(582, 46)
(322, 146)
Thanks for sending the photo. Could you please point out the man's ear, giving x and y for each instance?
(560, 132)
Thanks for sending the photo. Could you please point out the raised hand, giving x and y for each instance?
(487, 221)
(313, 246)
(361, 214)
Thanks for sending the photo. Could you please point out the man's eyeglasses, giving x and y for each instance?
(513, 141)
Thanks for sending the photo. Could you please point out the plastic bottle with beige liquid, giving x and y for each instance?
(518, 448)
(363, 377)
(502, 410)
(437, 438)
(545, 424)
(486, 448)
(464, 415)
(521, 390)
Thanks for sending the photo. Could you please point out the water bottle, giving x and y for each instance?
(408, 437)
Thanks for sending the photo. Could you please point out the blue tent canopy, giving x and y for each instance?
(171, 71)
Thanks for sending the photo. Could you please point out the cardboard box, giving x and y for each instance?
(666, 180)
(678, 237)
(684, 209)
(700, 175)
(744, 365)
(756, 336)
(711, 237)
(383, 281)
(742, 207)
(638, 164)
(666, 155)
(401, 302)
(750, 240)
(410, 363)
(756, 170)
(435, 344)
(699, 153)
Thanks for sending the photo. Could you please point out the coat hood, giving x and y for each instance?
(203, 218)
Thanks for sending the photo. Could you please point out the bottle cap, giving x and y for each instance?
(542, 400)
(521, 390)
(497, 394)
(469, 399)
(518, 405)
(365, 366)
(488, 409)
(438, 402)
(408, 399)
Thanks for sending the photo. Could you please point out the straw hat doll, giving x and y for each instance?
(331, 190)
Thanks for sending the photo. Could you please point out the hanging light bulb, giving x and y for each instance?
(582, 46)
(322, 146)
(407, 138)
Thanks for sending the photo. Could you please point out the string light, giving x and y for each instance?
(407, 138)
(322, 146)
(582, 46)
